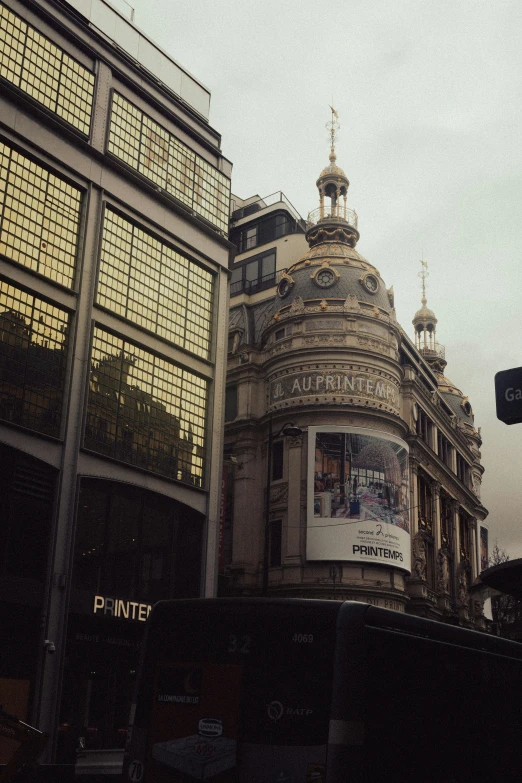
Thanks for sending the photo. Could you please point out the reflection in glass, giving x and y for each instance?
(33, 350)
(154, 286)
(134, 546)
(41, 69)
(150, 149)
(39, 217)
(128, 540)
(145, 410)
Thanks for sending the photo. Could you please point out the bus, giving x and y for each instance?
(261, 690)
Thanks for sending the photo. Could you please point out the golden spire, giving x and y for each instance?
(332, 126)
(424, 320)
(423, 274)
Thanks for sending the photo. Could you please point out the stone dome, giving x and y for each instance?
(333, 271)
(424, 315)
(456, 400)
(332, 171)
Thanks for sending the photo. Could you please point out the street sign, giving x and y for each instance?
(508, 390)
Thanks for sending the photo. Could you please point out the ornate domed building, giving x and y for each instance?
(352, 464)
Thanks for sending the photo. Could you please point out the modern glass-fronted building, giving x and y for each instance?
(114, 205)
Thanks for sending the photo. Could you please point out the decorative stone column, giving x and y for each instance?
(293, 532)
(435, 491)
(414, 495)
(454, 551)
(474, 549)
(248, 493)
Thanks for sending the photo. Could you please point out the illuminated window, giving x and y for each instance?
(33, 350)
(146, 410)
(41, 69)
(154, 286)
(150, 149)
(39, 217)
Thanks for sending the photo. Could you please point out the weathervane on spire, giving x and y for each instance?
(332, 126)
(423, 274)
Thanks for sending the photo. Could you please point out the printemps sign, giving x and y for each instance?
(341, 383)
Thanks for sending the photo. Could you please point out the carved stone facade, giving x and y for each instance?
(330, 354)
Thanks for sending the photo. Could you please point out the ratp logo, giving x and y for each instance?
(275, 710)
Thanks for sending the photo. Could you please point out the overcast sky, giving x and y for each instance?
(429, 96)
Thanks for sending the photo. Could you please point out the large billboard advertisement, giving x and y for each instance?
(357, 507)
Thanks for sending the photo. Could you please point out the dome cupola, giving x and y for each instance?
(333, 221)
(332, 273)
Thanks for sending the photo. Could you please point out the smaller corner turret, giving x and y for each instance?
(425, 324)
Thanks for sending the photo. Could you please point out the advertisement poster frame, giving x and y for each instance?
(361, 514)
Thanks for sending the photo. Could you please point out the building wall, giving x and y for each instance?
(336, 360)
(113, 284)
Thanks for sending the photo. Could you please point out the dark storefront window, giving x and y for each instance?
(26, 505)
(27, 490)
(146, 410)
(135, 544)
(132, 549)
(33, 352)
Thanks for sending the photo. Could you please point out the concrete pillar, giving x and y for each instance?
(211, 554)
(55, 621)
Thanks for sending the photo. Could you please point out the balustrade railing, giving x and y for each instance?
(327, 213)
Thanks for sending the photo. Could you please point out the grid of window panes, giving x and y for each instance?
(145, 410)
(37, 66)
(33, 351)
(39, 217)
(154, 286)
(150, 149)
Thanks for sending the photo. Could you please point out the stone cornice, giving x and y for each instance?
(456, 437)
(438, 471)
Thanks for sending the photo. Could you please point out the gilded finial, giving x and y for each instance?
(423, 274)
(332, 126)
